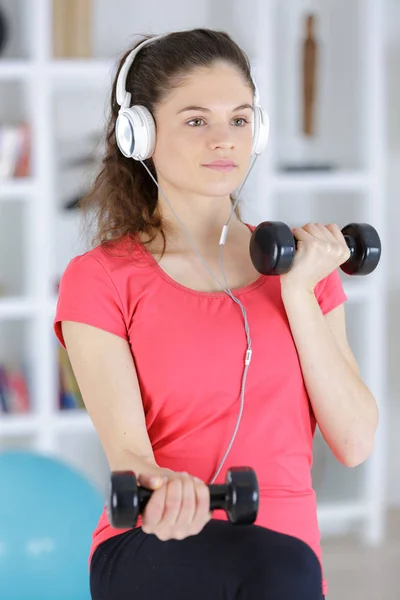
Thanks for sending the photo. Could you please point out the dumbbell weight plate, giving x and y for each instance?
(272, 248)
(243, 501)
(123, 505)
(365, 246)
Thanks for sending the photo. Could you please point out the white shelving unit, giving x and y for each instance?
(348, 498)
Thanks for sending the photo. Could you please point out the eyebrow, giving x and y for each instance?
(201, 108)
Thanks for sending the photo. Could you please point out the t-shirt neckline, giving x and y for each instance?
(244, 289)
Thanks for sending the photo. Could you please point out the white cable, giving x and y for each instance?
(228, 291)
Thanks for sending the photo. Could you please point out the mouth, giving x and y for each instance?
(221, 165)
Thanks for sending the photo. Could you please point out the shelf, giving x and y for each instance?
(14, 308)
(341, 181)
(20, 425)
(81, 71)
(73, 421)
(15, 69)
(62, 70)
(16, 188)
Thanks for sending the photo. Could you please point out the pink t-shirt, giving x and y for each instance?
(188, 348)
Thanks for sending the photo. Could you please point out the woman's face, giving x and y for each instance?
(207, 118)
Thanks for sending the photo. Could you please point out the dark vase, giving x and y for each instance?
(3, 30)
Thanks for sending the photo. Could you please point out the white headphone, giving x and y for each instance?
(135, 127)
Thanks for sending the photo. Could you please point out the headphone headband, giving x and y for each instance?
(121, 93)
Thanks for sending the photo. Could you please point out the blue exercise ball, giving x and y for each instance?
(47, 515)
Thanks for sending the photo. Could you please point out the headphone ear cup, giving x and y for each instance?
(260, 130)
(136, 132)
(124, 132)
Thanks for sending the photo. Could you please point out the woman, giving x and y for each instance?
(184, 376)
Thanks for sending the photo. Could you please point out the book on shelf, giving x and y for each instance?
(70, 396)
(72, 28)
(14, 392)
(14, 387)
(15, 151)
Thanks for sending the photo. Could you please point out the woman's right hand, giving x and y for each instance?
(179, 506)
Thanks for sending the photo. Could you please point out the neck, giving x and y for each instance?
(203, 218)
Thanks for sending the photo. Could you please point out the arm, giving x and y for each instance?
(345, 410)
(106, 375)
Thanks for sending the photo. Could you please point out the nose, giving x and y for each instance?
(220, 136)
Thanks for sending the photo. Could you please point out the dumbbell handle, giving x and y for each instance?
(351, 244)
(218, 496)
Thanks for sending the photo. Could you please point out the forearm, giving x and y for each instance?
(125, 460)
(344, 408)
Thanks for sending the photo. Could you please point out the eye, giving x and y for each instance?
(242, 122)
(196, 122)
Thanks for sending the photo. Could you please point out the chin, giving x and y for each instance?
(217, 191)
(221, 188)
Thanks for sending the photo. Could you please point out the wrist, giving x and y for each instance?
(126, 460)
(291, 289)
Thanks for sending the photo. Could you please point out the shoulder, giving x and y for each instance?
(105, 260)
(93, 289)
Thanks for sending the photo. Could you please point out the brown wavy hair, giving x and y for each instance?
(123, 199)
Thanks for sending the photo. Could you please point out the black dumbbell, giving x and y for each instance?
(238, 496)
(273, 247)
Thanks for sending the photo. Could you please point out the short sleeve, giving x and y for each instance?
(330, 292)
(88, 295)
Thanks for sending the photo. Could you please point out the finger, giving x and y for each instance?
(203, 512)
(188, 504)
(340, 242)
(173, 503)
(333, 234)
(154, 510)
(335, 231)
(301, 235)
(151, 482)
(323, 234)
(316, 230)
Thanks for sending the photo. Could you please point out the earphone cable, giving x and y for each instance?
(228, 291)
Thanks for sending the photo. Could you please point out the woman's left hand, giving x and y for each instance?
(320, 250)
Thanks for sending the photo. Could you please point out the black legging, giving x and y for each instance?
(223, 562)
